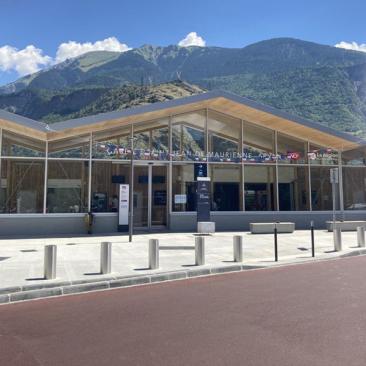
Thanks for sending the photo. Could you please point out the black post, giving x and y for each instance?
(312, 239)
(275, 243)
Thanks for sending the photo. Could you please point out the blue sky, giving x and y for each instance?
(230, 23)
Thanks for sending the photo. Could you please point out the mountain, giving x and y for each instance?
(56, 106)
(323, 83)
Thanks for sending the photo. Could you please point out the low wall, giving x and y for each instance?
(67, 224)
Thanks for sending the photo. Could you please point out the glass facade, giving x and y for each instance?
(106, 177)
(354, 188)
(252, 168)
(259, 188)
(22, 186)
(258, 144)
(189, 137)
(183, 187)
(293, 188)
(224, 138)
(151, 141)
(321, 189)
(226, 187)
(290, 150)
(67, 186)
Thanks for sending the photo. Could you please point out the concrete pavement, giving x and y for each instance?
(21, 260)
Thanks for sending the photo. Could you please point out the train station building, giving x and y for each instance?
(263, 164)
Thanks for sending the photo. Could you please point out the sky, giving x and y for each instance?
(35, 34)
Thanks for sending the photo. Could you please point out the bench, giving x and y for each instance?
(205, 227)
(268, 227)
(345, 225)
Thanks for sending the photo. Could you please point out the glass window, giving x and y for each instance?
(354, 157)
(290, 150)
(18, 145)
(75, 147)
(225, 187)
(321, 189)
(106, 178)
(22, 183)
(188, 136)
(112, 144)
(224, 136)
(293, 191)
(151, 140)
(183, 188)
(259, 188)
(67, 186)
(322, 155)
(354, 188)
(258, 144)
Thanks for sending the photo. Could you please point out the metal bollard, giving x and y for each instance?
(337, 236)
(275, 243)
(153, 253)
(238, 248)
(312, 238)
(50, 254)
(105, 257)
(199, 251)
(361, 236)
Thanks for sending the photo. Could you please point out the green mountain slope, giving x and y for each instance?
(68, 103)
(319, 82)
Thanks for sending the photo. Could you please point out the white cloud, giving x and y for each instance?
(352, 46)
(32, 59)
(73, 49)
(26, 61)
(192, 39)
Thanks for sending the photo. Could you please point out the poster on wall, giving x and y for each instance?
(124, 198)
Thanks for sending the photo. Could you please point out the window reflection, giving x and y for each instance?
(290, 150)
(259, 188)
(258, 144)
(22, 146)
(112, 144)
(224, 136)
(67, 186)
(151, 140)
(188, 136)
(22, 183)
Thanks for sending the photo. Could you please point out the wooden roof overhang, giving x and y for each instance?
(225, 103)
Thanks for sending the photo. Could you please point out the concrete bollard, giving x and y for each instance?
(361, 236)
(238, 248)
(50, 255)
(199, 251)
(105, 257)
(337, 236)
(153, 253)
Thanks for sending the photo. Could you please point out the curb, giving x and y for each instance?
(31, 292)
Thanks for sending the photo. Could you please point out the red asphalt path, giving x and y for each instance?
(308, 314)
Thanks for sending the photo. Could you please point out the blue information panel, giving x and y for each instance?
(203, 199)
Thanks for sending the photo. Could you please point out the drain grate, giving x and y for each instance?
(28, 250)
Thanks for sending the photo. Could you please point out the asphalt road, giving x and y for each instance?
(308, 314)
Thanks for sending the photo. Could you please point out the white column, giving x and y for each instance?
(90, 170)
(45, 181)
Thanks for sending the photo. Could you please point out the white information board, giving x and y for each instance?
(180, 198)
(124, 198)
